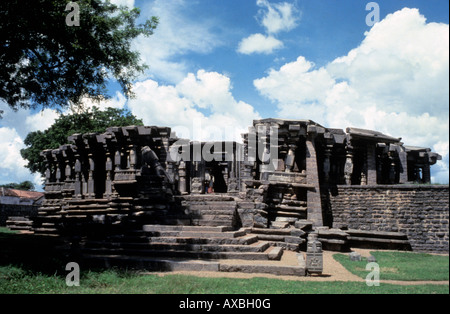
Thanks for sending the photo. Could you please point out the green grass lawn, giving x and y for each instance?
(29, 264)
(15, 280)
(406, 266)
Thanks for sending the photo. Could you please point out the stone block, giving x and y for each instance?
(354, 256)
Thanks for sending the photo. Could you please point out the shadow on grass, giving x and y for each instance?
(33, 253)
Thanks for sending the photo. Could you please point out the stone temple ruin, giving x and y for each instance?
(140, 196)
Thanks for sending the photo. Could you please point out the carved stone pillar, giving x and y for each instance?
(68, 189)
(182, 178)
(108, 181)
(117, 160)
(314, 202)
(90, 182)
(392, 168)
(371, 164)
(78, 178)
(290, 158)
(348, 169)
(314, 255)
(403, 160)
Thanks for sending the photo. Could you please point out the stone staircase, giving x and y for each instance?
(211, 210)
(19, 223)
(190, 248)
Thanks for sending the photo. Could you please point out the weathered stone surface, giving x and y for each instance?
(354, 256)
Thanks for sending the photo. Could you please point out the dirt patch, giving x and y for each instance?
(332, 270)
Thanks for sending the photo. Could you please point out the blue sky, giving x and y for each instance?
(215, 65)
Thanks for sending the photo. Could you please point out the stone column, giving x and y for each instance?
(69, 175)
(314, 202)
(91, 182)
(348, 169)
(426, 174)
(108, 181)
(182, 178)
(78, 178)
(117, 161)
(392, 168)
(290, 158)
(402, 155)
(371, 164)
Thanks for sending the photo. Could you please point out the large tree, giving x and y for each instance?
(48, 61)
(89, 121)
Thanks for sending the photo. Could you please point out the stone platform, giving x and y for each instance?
(191, 248)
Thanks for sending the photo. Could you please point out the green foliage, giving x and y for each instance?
(25, 186)
(46, 63)
(401, 266)
(92, 121)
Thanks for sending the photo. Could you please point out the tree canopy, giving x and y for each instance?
(24, 186)
(47, 62)
(90, 121)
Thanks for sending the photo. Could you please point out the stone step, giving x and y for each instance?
(170, 264)
(376, 234)
(293, 209)
(213, 206)
(283, 232)
(151, 264)
(275, 269)
(285, 246)
(246, 239)
(279, 270)
(18, 218)
(19, 222)
(304, 224)
(208, 198)
(160, 246)
(230, 234)
(19, 227)
(213, 211)
(150, 228)
(212, 222)
(139, 237)
(177, 253)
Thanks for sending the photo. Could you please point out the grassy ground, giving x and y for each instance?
(15, 280)
(29, 264)
(401, 266)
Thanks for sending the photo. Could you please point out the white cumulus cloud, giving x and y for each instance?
(275, 18)
(201, 106)
(259, 43)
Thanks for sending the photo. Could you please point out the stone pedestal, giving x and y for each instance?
(314, 255)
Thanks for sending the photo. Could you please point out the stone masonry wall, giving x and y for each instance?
(419, 211)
